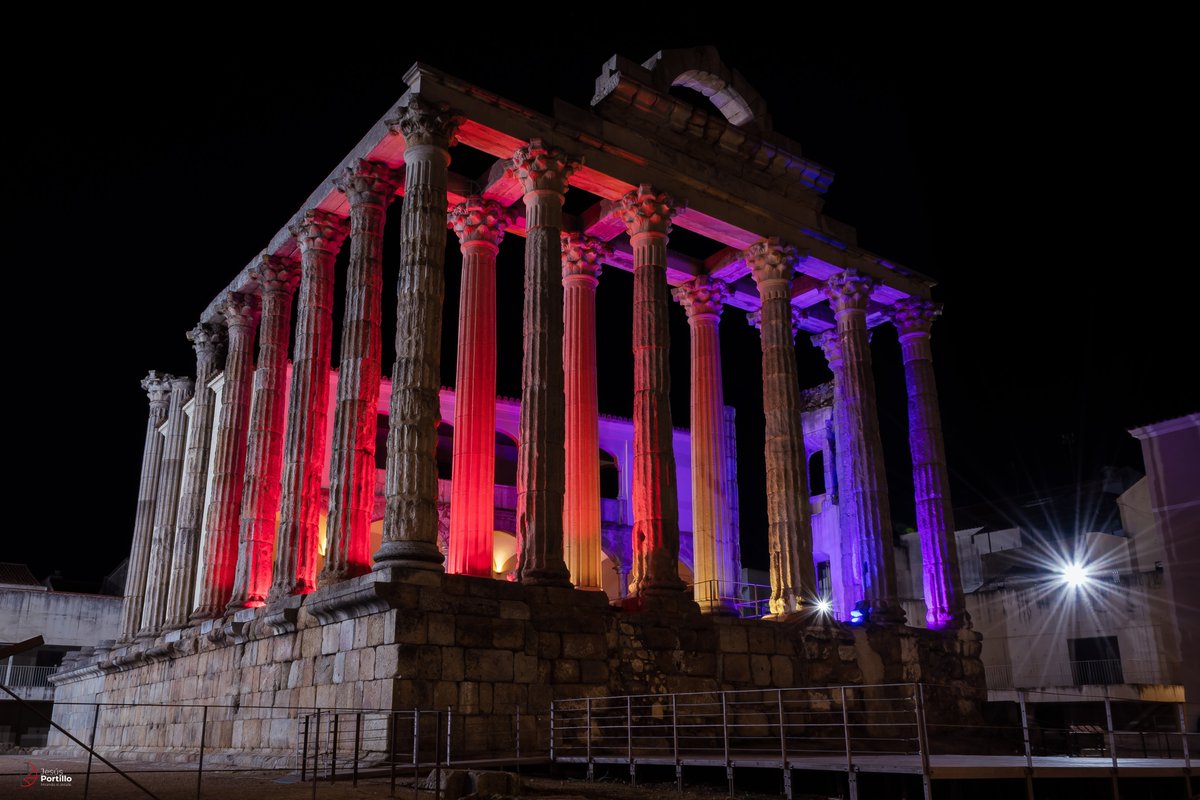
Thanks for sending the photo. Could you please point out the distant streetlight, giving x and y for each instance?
(1075, 575)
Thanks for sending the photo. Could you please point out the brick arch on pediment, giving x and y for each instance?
(701, 69)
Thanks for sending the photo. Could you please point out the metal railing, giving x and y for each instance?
(747, 600)
(21, 675)
(1104, 672)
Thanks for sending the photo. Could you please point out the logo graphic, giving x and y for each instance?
(44, 777)
(32, 778)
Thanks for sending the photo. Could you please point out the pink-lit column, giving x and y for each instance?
(320, 236)
(859, 442)
(166, 504)
(714, 547)
(209, 343)
(410, 523)
(913, 318)
(581, 263)
(647, 217)
(228, 468)
(541, 460)
(793, 581)
(277, 282)
(158, 390)
(370, 187)
(480, 227)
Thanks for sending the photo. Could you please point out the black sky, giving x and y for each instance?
(1022, 173)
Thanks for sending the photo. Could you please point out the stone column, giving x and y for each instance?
(158, 390)
(480, 227)
(277, 282)
(369, 186)
(863, 485)
(647, 217)
(209, 344)
(229, 459)
(410, 522)
(581, 262)
(166, 503)
(913, 318)
(793, 581)
(541, 460)
(714, 546)
(320, 236)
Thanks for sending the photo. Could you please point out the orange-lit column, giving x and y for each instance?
(541, 461)
(320, 236)
(480, 226)
(581, 262)
(370, 187)
(158, 390)
(714, 548)
(277, 280)
(647, 218)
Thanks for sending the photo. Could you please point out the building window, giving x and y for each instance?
(816, 473)
(1095, 660)
(824, 581)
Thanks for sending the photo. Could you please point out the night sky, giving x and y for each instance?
(1016, 174)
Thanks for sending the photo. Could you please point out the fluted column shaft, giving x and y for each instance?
(370, 187)
(166, 504)
(479, 225)
(914, 318)
(158, 390)
(714, 547)
(410, 523)
(277, 280)
(647, 218)
(209, 344)
(320, 236)
(793, 581)
(581, 262)
(541, 458)
(859, 442)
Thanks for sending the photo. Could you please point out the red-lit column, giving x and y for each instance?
(480, 227)
(913, 318)
(158, 390)
(793, 582)
(219, 559)
(541, 460)
(277, 282)
(410, 523)
(166, 504)
(714, 548)
(859, 442)
(209, 344)
(370, 187)
(647, 218)
(581, 262)
(320, 236)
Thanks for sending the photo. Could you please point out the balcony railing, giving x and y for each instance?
(1100, 672)
(21, 675)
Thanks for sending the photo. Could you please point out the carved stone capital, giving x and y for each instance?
(207, 340)
(914, 314)
(371, 183)
(182, 386)
(320, 230)
(849, 290)
(276, 274)
(702, 296)
(538, 166)
(423, 122)
(157, 387)
(830, 345)
(479, 220)
(583, 255)
(771, 260)
(646, 211)
(240, 310)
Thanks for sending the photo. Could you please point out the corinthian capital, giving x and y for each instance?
(240, 310)
(208, 341)
(830, 345)
(646, 211)
(370, 183)
(914, 314)
(583, 255)
(849, 290)
(423, 122)
(702, 296)
(479, 220)
(771, 260)
(540, 166)
(276, 274)
(320, 230)
(157, 387)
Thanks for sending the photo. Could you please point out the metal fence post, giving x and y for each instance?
(200, 769)
(783, 759)
(1112, 743)
(333, 750)
(629, 739)
(392, 734)
(416, 749)
(437, 755)
(591, 774)
(1028, 746)
(304, 750)
(316, 750)
(725, 742)
(87, 780)
(851, 776)
(1187, 755)
(922, 738)
(357, 737)
(675, 746)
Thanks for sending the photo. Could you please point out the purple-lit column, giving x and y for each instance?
(370, 187)
(859, 442)
(320, 236)
(913, 318)
(543, 172)
(793, 581)
(647, 217)
(714, 546)
(158, 390)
